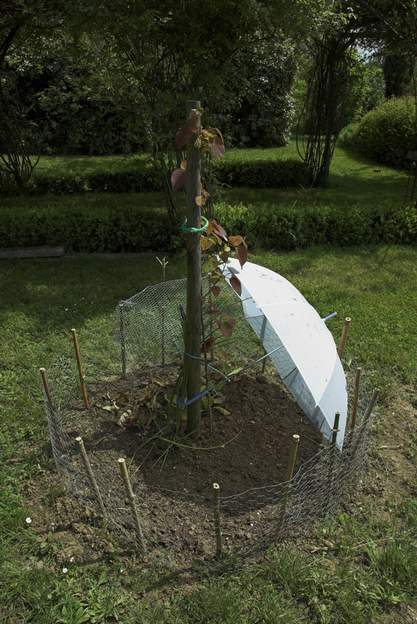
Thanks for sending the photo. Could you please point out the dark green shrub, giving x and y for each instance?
(144, 178)
(262, 173)
(386, 134)
(135, 228)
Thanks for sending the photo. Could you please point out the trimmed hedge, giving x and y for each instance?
(386, 134)
(138, 229)
(259, 174)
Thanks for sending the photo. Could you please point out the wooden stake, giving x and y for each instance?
(290, 473)
(364, 422)
(131, 496)
(262, 336)
(80, 369)
(355, 399)
(335, 429)
(216, 513)
(163, 264)
(344, 336)
(192, 367)
(90, 475)
(46, 385)
(122, 339)
(332, 451)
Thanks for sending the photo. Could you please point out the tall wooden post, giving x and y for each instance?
(192, 365)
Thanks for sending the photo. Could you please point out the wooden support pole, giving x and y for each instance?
(344, 336)
(290, 473)
(46, 385)
(216, 514)
(90, 475)
(192, 366)
(80, 369)
(132, 501)
(354, 413)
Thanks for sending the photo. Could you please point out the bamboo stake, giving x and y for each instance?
(365, 420)
(344, 336)
(263, 328)
(122, 339)
(290, 473)
(353, 416)
(80, 369)
(46, 385)
(335, 431)
(216, 513)
(90, 475)
(163, 264)
(131, 496)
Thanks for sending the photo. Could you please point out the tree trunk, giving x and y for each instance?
(192, 364)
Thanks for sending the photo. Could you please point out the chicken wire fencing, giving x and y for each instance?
(149, 338)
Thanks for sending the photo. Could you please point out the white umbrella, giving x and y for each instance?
(301, 347)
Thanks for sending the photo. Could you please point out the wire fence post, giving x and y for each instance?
(290, 473)
(330, 478)
(216, 515)
(354, 413)
(90, 475)
(45, 384)
(163, 264)
(364, 424)
(80, 369)
(122, 338)
(344, 336)
(132, 501)
(262, 336)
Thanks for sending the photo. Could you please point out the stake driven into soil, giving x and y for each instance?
(192, 368)
(90, 475)
(80, 369)
(132, 501)
(290, 473)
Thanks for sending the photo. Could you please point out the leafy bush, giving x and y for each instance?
(135, 228)
(386, 133)
(259, 174)
(262, 173)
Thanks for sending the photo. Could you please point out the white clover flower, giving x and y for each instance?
(28, 520)
(72, 559)
(64, 570)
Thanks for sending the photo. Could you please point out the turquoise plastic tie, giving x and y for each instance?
(195, 230)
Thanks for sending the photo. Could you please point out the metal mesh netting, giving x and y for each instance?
(149, 332)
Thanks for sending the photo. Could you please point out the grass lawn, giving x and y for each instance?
(359, 568)
(353, 181)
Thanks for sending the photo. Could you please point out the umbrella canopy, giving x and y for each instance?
(301, 347)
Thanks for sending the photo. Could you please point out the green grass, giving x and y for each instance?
(355, 568)
(353, 181)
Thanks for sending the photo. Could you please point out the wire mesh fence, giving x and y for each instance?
(149, 337)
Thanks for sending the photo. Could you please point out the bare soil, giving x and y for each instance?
(244, 448)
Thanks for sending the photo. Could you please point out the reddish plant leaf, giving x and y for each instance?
(207, 345)
(216, 228)
(215, 290)
(235, 284)
(226, 326)
(217, 149)
(235, 241)
(242, 254)
(178, 179)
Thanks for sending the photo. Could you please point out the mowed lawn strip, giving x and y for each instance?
(370, 563)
